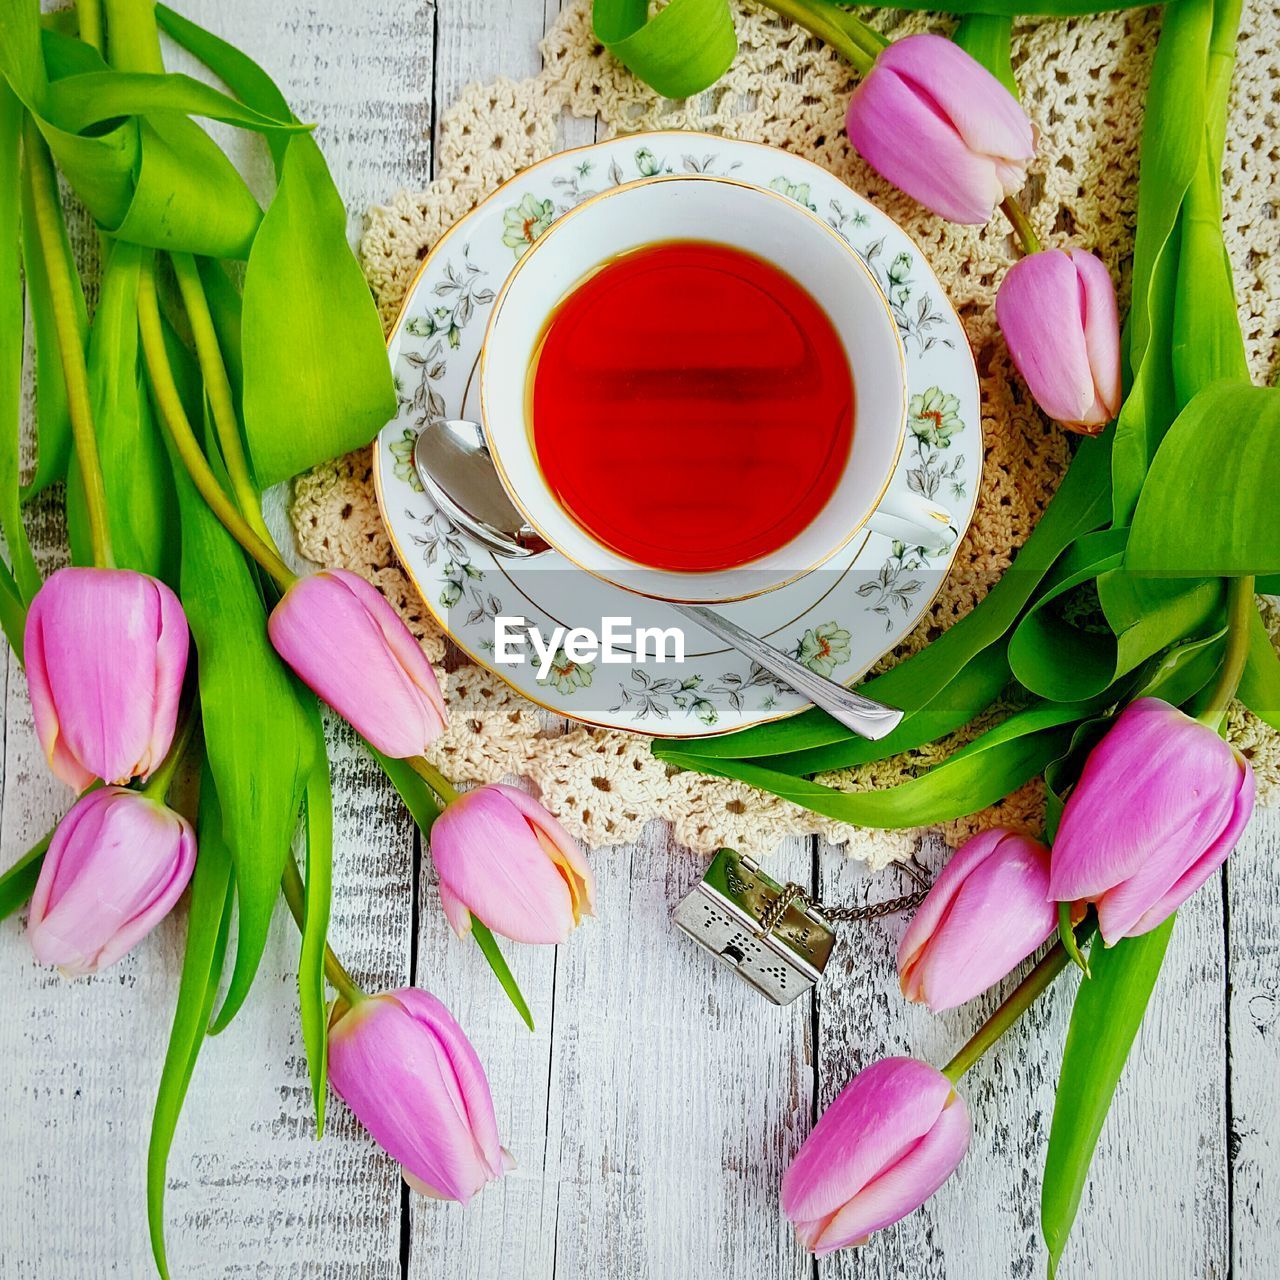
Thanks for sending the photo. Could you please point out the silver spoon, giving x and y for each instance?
(457, 472)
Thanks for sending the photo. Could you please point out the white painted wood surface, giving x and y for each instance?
(655, 1107)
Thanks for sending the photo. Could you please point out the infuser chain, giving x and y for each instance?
(792, 892)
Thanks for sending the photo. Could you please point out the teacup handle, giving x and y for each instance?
(915, 520)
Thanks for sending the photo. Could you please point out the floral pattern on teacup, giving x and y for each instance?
(523, 223)
(934, 416)
(565, 675)
(824, 648)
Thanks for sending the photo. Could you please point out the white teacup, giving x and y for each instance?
(759, 221)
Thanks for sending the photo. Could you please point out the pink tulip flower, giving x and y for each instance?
(1057, 311)
(105, 652)
(406, 1069)
(892, 1137)
(115, 867)
(985, 914)
(502, 857)
(937, 124)
(1160, 804)
(351, 648)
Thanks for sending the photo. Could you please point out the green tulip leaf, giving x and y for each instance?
(141, 503)
(1172, 140)
(244, 77)
(314, 387)
(1183, 670)
(1021, 8)
(1081, 504)
(53, 418)
(77, 102)
(681, 50)
(208, 923)
(1066, 660)
(418, 798)
(1260, 685)
(225, 308)
(1049, 653)
(25, 575)
(1061, 772)
(18, 882)
(260, 742)
(188, 195)
(13, 612)
(974, 688)
(1104, 1022)
(985, 37)
(497, 962)
(979, 774)
(155, 178)
(1222, 450)
(318, 832)
(1207, 343)
(1187, 333)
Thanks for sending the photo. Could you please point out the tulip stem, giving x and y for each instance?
(1026, 233)
(133, 38)
(89, 14)
(217, 387)
(1019, 1000)
(295, 895)
(846, 34)
(157, 786)
(436, 780)
(1239, 616)
(183, 439)
(43, 184)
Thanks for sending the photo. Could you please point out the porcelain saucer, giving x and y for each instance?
(839, 620)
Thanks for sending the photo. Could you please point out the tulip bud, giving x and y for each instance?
(936, 123)
(1057, 311)
(115, 867)
(406, 1069)
(985, 913)
(350, 647)
(892, 1137)
(105, 652)
(1160, 804)
(502, 857)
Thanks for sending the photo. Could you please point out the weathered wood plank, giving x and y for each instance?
(1253, 942)
(676, 1089)
(1156, 1204)
(507, 1229)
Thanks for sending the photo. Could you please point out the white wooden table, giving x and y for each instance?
(653, 1111)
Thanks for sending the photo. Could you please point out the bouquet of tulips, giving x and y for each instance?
(174, 666)
(1120, 637)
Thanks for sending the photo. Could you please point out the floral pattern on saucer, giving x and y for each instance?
(836, 630)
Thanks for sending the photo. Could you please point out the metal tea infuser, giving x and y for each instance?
(776, 937)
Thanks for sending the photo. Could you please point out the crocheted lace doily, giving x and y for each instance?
(1084, 82)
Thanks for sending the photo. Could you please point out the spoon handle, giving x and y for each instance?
(854, 710)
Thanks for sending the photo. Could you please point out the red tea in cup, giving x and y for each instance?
(691, 406)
